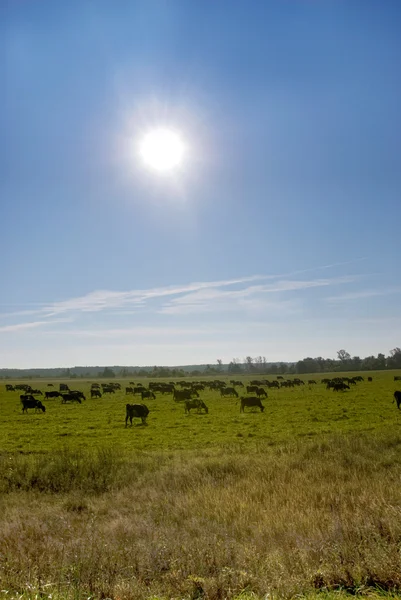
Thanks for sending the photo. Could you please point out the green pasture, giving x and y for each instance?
(308, 411)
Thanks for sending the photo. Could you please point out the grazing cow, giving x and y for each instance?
(397, 398)
(36, 393)
(340, 387)
(67, 397)
(11, 388)
(148, 394)
(129, 390)
(136, 410)
(138, 390)
(52, 394)
(195, 403)
(28, 401)
(96, 393)
(108, 389)
(63, 387)
(370, 378)
(396, 378)
(180, 395)
(261, 393)
(251, 389)
(24, 387)
(50, 385)
(229, 391)
(78, 394)
(251, 401)
(311, 382)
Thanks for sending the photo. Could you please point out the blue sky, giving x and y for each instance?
(279, 235)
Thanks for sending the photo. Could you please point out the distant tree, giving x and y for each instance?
(307, 365)
(369, 363)
(219, 364)
(234, 367)
(343, 356)
(249, 364)
(356, 363)
(394, 360)
(380, 361)
(107, 373)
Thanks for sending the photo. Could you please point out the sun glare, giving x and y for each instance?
(162, 150)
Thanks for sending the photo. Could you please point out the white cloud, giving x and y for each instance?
(30, 325)
(364, 294)
(197, 297)
(208, 300)
(105, 299)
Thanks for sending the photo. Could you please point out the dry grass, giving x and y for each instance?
(291, 520)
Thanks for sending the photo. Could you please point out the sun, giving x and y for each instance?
(162, 149)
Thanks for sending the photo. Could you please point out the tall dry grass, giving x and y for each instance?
(288, 520)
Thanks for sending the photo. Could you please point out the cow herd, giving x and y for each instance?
(187, 392)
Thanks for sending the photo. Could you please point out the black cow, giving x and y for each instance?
(67, 397)
(229, 391)
(129, 390)
(79, 394)
(63, 387)
(23, 386)
(195, 403)
(11, 388)
(96, 393)
(138, 390)
(370, 378)
(260, 392)
(108, 389)
(180, 395)
(52, 394)
(397, 398)
(28, 401)
(251, 389)
(36, 393)
(136, 410)
(148, 394)
(396, 378)
(251, 401)
(340, 387)
(168, 388)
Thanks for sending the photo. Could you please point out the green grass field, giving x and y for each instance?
(302, 412)
(303, 500)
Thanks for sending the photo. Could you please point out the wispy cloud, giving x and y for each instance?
(105, 299)
(207, 296)
(30, 325)
(207, 300)
(362, 294)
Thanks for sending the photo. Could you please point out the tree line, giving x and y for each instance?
(248, 366)
(344, 362)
